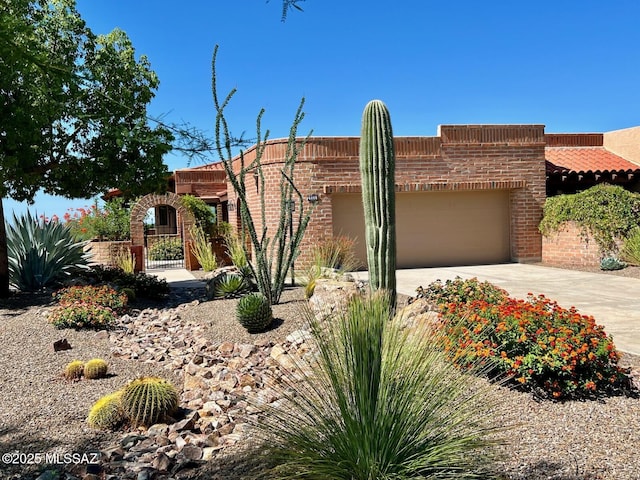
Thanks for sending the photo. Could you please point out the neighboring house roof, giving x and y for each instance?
(585, 159)
(576, 161)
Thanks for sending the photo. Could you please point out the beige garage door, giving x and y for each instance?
(436, 228)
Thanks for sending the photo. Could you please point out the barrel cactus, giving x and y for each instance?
(254, 312)
(95, 368)
(148, 400)
(74, 370)
(377, 169)
(107, 413)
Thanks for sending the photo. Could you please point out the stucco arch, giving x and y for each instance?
(184, 220)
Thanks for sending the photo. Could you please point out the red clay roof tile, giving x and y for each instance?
(585, 159)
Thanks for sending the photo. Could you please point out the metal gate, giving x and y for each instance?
(164, 251)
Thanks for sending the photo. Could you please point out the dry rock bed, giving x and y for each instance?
(200, 347)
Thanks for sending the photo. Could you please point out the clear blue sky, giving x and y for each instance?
(571, 65)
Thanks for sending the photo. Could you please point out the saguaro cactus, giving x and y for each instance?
(377, 170)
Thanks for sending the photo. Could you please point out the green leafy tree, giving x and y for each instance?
(73, 114)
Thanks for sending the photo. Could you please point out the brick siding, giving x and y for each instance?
(461, 157)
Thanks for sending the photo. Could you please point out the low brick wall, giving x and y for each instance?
(104, 253)
(571, 247)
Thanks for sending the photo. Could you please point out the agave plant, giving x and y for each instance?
(380, 403)
(41, 253)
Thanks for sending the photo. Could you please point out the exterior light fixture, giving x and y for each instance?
(313, 198)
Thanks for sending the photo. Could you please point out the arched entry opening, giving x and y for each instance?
(166, 241)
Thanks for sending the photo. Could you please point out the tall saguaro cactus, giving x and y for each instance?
(377, 170)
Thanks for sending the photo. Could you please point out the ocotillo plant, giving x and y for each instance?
(275, 250)
(377, 169)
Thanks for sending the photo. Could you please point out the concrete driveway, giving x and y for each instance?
(614, 301)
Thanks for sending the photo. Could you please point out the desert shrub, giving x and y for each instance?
(608, 212)
(124, 260)
(74, 370)
(221, 229)
(332, 256)
(236, 250)
(460, 291)
(143, 285)
(99, 295)
(203, 250)
(112, 222)
(630, 251)
(337, 253)
(166, 249)
(380, 402)
(611, 263)
(541, 346)
(202, 213)
(82, 315)
(41, 253)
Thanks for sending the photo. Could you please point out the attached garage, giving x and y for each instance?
(436, 228)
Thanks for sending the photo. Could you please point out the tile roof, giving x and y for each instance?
(585, 159)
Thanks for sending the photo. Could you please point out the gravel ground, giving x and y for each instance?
(42, 412)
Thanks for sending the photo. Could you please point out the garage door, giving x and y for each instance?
(436, 228)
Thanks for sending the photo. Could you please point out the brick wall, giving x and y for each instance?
(572, 246)
(104, 253)
(462, 157)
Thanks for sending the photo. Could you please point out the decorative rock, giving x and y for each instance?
(192, 452)
(61, 345)
(162, 462)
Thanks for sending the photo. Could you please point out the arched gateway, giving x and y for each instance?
(184, 222)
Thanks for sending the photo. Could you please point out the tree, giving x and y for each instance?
(73, 118)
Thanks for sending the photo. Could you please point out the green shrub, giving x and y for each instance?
(254, 312)
(460, 291)
(203, 214)
(611, 263)
(143, 285)
(539, 345)
(109, 223)
(41, 253)
(82, 315)
(631, 247)
(607, 212)
(379, 403)
(103, 295)
(166, 249)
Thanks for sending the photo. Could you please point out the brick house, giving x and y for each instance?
(473, 194)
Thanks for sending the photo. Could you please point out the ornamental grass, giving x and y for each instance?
(380, 402)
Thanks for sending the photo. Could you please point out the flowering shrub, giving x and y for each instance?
(539, 345)
(102, 295)
(87, 307)
(82, 315)
(460, 291)
(108, 223)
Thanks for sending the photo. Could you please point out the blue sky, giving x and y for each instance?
(573, 66)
